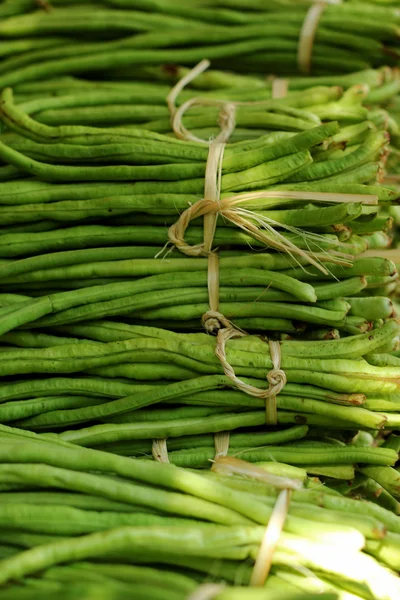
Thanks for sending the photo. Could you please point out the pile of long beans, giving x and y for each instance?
(105, 369)
(127, 525)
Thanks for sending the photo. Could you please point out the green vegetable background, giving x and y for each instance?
(114, 404)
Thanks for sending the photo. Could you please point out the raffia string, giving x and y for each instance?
(226, 119)
(212, 191)
(307, 34)
(230, 209)
(261, 229)
(270, 540)
(159, 450)
(276, 377)
(226, 116)
(213, 175)
(279, 87)
(277, 380)
(213, 320)
(221, 443)
(240, 217)
(229, 465)
(207, 591)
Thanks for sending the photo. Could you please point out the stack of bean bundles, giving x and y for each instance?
(200, 357)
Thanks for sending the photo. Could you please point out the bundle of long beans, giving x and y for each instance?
(79, 101)
(119, 383)
(121, 34)
(162, 523)
(142, 103)
(109, 103)
(244, 168)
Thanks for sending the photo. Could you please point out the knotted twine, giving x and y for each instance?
(308, 32)
(211, 205)
(213, 320)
